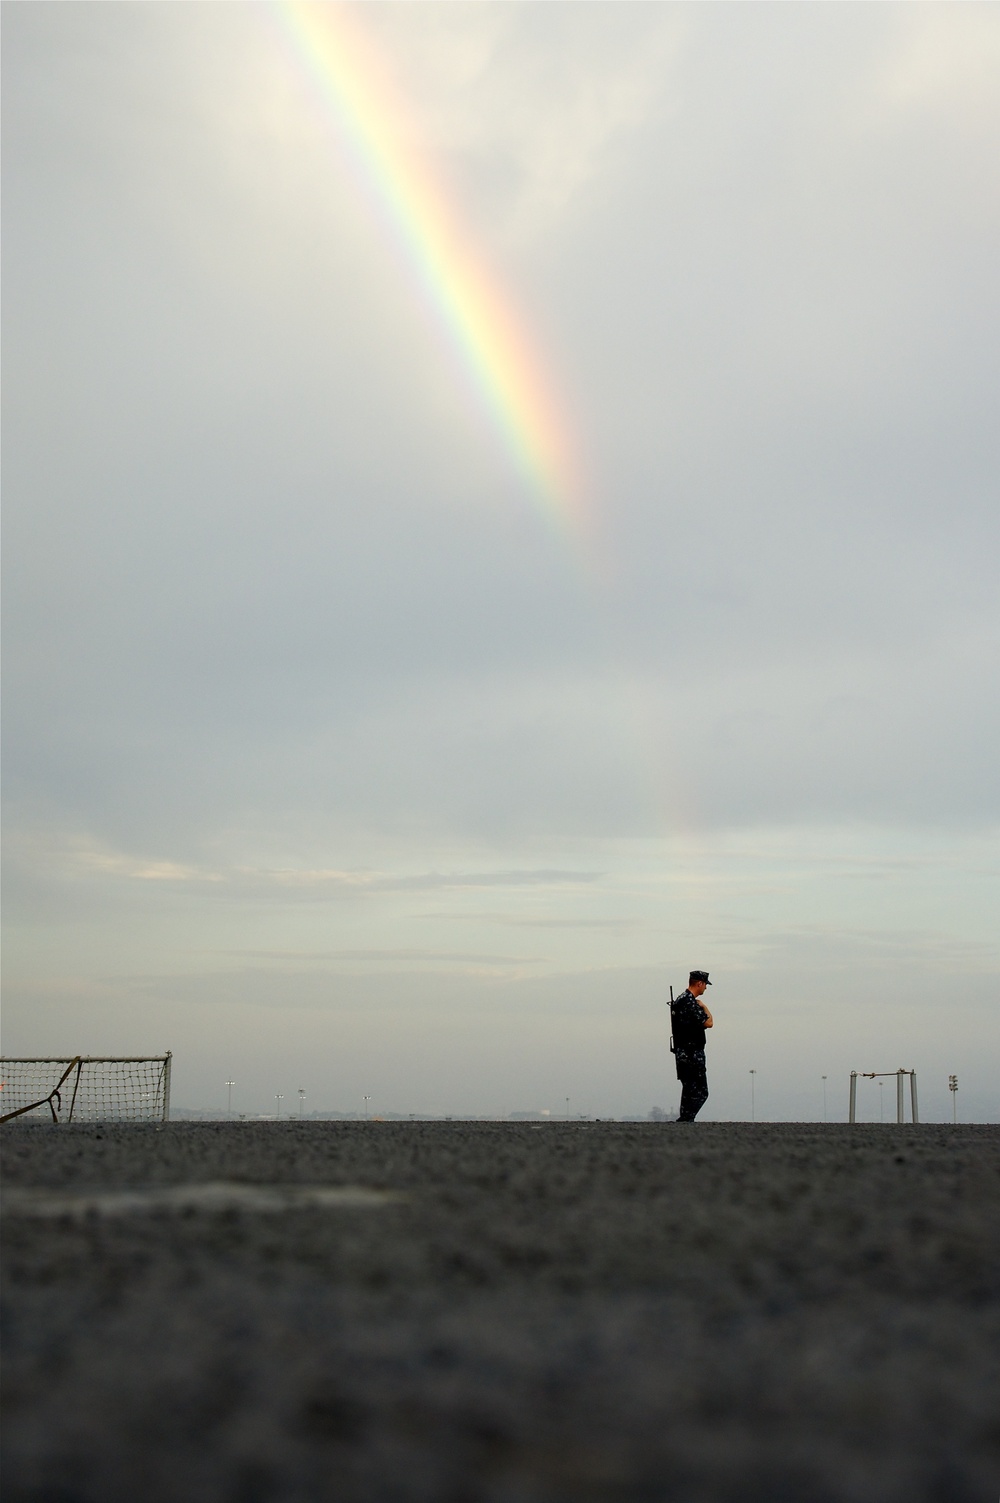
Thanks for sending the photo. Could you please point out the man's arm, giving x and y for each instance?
(709, 1020)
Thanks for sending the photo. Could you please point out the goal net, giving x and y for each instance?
(85, 1088)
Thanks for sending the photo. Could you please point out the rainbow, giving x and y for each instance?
(505, 371)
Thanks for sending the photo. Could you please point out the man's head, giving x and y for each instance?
(697, 982)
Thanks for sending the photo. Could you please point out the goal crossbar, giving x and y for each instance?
(87, 1087)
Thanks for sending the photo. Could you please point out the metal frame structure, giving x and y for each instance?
(54, 1099)
(874, 1075)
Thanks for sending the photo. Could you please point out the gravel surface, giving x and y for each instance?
(578, 1313)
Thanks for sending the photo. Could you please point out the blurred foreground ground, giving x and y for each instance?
(722, 1313)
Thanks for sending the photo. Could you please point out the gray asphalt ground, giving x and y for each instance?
(592, 1313)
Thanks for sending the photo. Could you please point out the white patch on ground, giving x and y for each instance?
(218, 1195)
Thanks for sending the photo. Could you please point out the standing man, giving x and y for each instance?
(689, 1017)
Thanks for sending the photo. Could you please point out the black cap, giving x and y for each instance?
(699, 976)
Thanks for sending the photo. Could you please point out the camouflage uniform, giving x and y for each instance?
(688, 1023)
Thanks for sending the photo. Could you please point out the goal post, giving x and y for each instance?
(87, 1088)
(900, 1096)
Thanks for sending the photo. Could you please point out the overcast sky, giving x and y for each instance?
(330, 764)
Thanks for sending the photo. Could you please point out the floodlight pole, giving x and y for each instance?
(913, 1096)
(753, 1099)
(229, 1104)
(953, 1088)
(824, 1098)
(852, 1112)
(279, 1097)
(302, 1099)
(367, 1099)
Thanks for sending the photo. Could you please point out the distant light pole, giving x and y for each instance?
(567, 1108)
(229, 1087)
(753, 1099)
(279, 1097)
(367, 1099)
(881, 1103)
(824, 1098)
(302, 1099)
(953, 1088)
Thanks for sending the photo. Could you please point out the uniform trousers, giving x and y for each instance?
(694, 1082)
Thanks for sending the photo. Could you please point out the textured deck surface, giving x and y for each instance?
(591, 1313)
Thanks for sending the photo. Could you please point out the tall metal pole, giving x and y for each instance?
(302, 1099)
(229, 1102)
(367, 1099)
(753, 1099)
(881, 1103)
(167, 1062)
(899, 1094)
(953, 1088)
(824, 1098)
(913, 1095)
(854, 1096)
(279, 1097)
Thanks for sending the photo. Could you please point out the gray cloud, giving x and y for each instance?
(284, 626)
(430, 957)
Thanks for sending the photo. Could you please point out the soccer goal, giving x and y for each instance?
(86, 1088)
(900, 1097)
